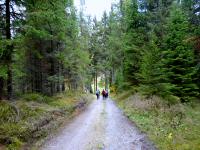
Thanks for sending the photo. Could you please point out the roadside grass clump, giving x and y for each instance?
(16, 144)
(14, 127)
(34, 116)
(170, 127)
(37, 98)
(123, 95)
(7, 113)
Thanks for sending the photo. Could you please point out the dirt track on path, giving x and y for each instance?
(102, 126)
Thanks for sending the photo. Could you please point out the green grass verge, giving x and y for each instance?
(34, 116)
(170, 127)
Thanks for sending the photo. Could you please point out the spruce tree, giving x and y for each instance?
(178, 56)
(45, 38)
(134, 40)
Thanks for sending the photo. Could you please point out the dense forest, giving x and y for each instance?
(146, 52)
(150, 45)
(43, 48)
(153, 47)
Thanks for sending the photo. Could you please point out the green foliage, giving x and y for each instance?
(36, 98)
(119, 81)
(156, 56)
(178, 61)
(133, 41)
(3, 72)
(142, 44)
(174, 127)
(150, 71)
(7, 113)
(16, 144)
(23, 121)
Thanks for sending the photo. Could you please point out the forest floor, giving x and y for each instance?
(27, 122)
(101, 126)
(169, 127)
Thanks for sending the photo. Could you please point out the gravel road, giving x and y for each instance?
(102, 126)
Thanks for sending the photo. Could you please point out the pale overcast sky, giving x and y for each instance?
(95, 7)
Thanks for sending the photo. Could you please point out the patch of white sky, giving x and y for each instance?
(94, 8)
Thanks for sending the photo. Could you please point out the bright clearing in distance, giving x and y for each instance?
(94, 7)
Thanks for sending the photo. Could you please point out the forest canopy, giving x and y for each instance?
(151, 46)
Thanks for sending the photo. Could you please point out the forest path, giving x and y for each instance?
(101, 126)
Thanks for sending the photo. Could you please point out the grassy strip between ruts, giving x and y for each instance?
(34, 117)
(170, 127)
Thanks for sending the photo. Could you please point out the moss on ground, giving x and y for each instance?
(170, 127)
(34, 116)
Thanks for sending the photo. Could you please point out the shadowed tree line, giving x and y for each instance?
(43, 48)
(151, 46)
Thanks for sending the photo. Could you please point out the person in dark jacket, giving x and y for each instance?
(104, 94)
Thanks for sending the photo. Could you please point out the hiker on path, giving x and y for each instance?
(97, 93)
(104, 94)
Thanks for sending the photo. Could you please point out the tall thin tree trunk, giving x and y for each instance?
(63, 86)
(1, 88)
(40, 77)
(53, 63)
(96, 82)
(63, 83)
(9, 51)
(52, 73)
(110, 78)
(106, 81)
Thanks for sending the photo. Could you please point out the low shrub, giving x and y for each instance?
(169, 126)
(7, 112)
(34, 116)
(36, 97)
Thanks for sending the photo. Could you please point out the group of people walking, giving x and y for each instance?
(104, 93)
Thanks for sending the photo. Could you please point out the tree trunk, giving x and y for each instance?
(96, 81)
(1, 88)
(52, 73)
(9, 51)
(63, 86)
(112, 76)
(106, 81)
(63, 83)
(9, 82)
(53, 64)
